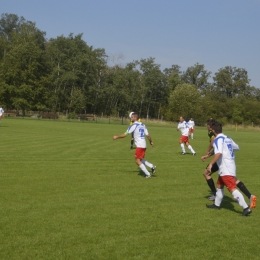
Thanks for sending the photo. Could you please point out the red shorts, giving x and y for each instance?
(228, 181)
(140, 153)
(192, 130)
(184, 139)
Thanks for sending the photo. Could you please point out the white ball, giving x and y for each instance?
(130, 114)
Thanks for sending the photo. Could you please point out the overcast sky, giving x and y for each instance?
(215, 33)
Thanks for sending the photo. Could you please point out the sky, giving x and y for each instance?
(216, 33)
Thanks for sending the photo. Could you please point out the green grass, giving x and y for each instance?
(68, 191)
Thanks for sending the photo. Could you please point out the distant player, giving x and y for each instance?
(184, 128)
(224, 148)
(215, 168)
(132, 135)
(191, 124)
(140, 132)
(1, 112)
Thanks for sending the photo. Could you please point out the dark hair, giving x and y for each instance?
(210, 122)
(135, 114)
(217, 127)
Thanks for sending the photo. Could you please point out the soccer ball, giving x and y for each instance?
(130, 114)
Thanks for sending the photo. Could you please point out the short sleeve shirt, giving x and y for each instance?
(226, 147)
(140, 131)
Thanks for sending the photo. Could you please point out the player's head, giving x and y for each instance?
(181, 119)
(209, 123)
(216, 128)
(191, 119)
(134, 117)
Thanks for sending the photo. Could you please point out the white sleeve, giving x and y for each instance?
(235, 146)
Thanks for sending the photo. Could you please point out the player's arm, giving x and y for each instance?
(210, 145)
(235, 146)
(215, 158)
(119, 136)
(204, 157)
(150, 140)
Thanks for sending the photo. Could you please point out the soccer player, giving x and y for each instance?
(132, 135)
(192, 127)
(140, 132)
(215, 168)
(184, 128)
(1, 113)
(224, 148)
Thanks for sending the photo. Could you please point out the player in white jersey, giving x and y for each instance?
(224, 148)
(1, 112)
(139, 131)
(191, 124)
(215, 168)
(185, 131)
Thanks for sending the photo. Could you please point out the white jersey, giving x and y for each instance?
(191, 124)
(226, 146)
(184, 128)
(140, 131)
(1, 111)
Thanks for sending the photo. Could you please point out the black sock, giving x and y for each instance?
(212, 186)
(132, 142)
(243, 188)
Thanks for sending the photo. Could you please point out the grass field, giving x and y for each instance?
(68, 191)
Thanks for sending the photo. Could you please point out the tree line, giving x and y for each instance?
(65, 74)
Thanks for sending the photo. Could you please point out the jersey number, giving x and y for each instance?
(141, 131)
(230, 150)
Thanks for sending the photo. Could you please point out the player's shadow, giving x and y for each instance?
(141, 174)
(228, 203)
(186, 154)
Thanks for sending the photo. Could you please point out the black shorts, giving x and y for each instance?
(214, 168)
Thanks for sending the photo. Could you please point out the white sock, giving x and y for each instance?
(183, 149)
(143, 168)
(190, 148)
(150, 165)
(239, 198)
(192, 136)
(219, 197)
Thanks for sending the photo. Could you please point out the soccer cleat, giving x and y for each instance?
(212, 206)
(212, 197)
(131, 147)
(183, 153)
(194, 154)
(148, 176)
(153, 169)
(246, 212)
(253, 199)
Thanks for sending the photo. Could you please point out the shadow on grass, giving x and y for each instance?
(140, 173)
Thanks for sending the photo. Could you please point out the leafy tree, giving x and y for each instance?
(185, 101)
(231, 81)
(197, 75)
(23, 68)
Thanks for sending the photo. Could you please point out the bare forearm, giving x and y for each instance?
(215, 158)
(150, 139)
(119, 136)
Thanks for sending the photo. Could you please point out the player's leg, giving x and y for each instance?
(150, 165)
(190, 148)
(210, 181)
(182, 145)
(244, 189)
(192, 133)
(230, 183)
(219, 195)
(139, 155)
(132, 140)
